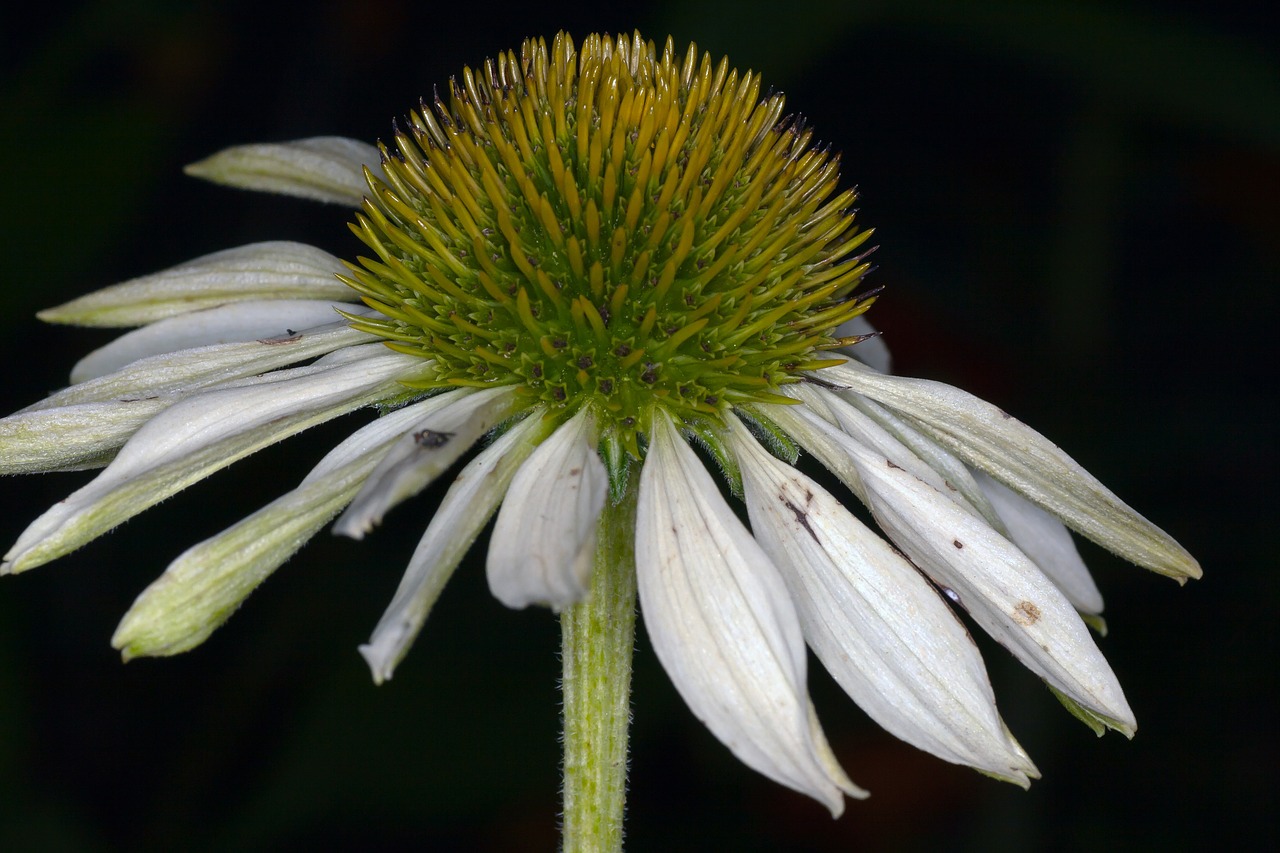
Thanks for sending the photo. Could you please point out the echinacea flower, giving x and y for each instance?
(595, 257)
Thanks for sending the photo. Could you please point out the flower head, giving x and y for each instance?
(594, 255)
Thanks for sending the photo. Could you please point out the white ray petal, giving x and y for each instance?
(873, 351)
(877, 625)
(1047, 542)
(952, 470)
(194, 438)
(61, 434)
(1001, 588)
(237, 322)
(71, 438)
(204, 586)
(543, 543)
(193, 369)
(474, 495)
(1011, 452)
(868, 432)
(819, 436)
(321, 168)
(424, 453)
(271, 270)
(723, 625)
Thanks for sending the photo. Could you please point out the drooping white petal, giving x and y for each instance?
(1011, 452)
(1001, 588)
(272, 270)
(83, 426)
(424, 453)
(474, 495)
(204, 586)
(192, 369)
(723, 625)
(877, 625)
(71, 438)
(194, 438)
(868, 432)
(543, 542)
(815, 427)
(1047, 542)
(820, 436)
(322, 168)
(873, 351)
(237, 322)
(956, 474)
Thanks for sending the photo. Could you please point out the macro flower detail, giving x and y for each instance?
(599, 257)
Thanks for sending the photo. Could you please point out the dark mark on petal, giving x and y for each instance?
(802, 517)
(430, 439)
(292, 338)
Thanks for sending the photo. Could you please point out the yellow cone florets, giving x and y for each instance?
(611, 227)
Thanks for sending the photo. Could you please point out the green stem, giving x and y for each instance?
(597, 637)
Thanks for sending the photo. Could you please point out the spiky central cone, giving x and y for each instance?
(611, 228)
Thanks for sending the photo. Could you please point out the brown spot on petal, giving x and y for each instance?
(889, 462)
(957, 543)
(1026, 614)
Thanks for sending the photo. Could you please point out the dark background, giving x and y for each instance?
(1077, 213)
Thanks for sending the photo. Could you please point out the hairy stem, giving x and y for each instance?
(597, 636)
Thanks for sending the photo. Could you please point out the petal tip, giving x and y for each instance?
(198, 169)
(375, 657)
(56, 314)
(18, 561)
(1190, 570)
(1013, 777)
(353, 527)
(844, 787)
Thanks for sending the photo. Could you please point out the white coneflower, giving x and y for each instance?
(594, 256)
